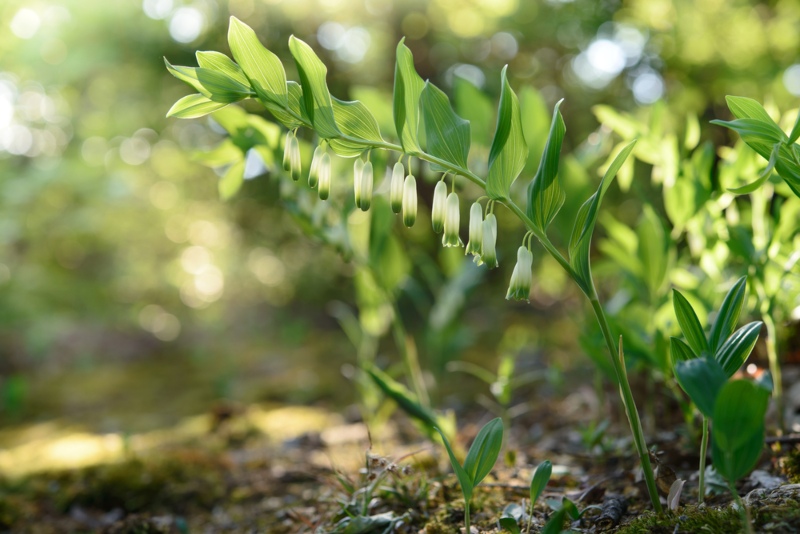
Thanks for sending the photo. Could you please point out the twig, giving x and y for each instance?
(613, 509)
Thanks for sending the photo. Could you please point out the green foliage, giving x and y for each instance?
(446, 134)
(407, 92)
(509, 152)
(545, 194)
(539, 480)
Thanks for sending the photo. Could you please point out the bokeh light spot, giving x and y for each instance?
(25, 23)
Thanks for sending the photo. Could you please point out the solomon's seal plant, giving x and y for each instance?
(349, 130)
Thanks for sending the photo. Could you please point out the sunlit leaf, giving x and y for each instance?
(728, 315)
(211, 84)
(753, 128)
(747, 108)
(446, 133)
(402, 396)
(652, 251)
(689, 323)
(581, 238)
(738, 429)
(407, 92)
(464, 479)
(193, 106)
(545, 195)
(354, 120)
(681, 352)
(765, 174)
(220, 62)
(509, 152)
(795, 133)
(483, 453)
(701, 379)
(231, 181)
(295, 114)
(316, 97)
(540, 479)
(262, 67)
(736, 349)
(473, 105)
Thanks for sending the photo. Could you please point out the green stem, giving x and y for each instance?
(628, 402)
(701, 490)
(466, 517)
(775, 367)
(744, 512)
(410, 358)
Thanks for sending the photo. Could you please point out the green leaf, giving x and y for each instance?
(231, 181)
(581, 239)
(407, 92)
(262, 67)
(652, 251)
(295, 114)
(509, 524)
(483, 453)
(220, 62)
(795, 134)
(210, 83)
(747, 108)
(736, 349)
(446, 133)
(316, 97)
(540, 479)
(354, 120)
(738, 430)
(728, 315)
(763, 176)
(473, 105)
(545, 195)
(193, 106)
(402, 396)
(463, 478)
(689, 323)
(754, 129)
(509, 151)
(681, 352)
(701, 379)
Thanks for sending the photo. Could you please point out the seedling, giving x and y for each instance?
(480, 460)
(737, 407)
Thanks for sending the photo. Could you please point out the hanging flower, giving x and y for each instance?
(324, 176)
(313, 171)
(358, 168)
(452, 222)
(366, 186)
(409, 201)
(396, 189)
(439, 205)
(295, 158)
(287, 151)
(488, 252)
(475, 230)
(521, 278)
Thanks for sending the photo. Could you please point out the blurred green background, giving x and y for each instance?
(127, 287)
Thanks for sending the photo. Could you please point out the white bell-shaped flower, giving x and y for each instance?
(358, 168)
(409, 201)
(313, 171)
(295, 158)
(475, 229)
(452, 221)
(324, 172)
(521, 278)
(287, 151)
(488, 251)
(366, 186)
(396, 187)
(439, 205)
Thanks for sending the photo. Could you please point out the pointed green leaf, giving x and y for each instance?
(545, 195)
(754, 129)
(402, 396)
(446, 133)
(540, 479)
(737, 348)
(701, 379)
(193, 106)
(728, 315)
(738, 430)
(747, 108)
(295, 114)
(262, 67)
(581, 239)
(689, 323)
(681, 352)
(463, 478)
(211, 84)
(795, 134)
(555, 524)
(483, 453)
(509, 151)
(231, 181)
(316, 97)
(652, 251)
(221, 63)
(354, 120)
(407, 92)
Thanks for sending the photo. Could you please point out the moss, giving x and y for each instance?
(791, 466)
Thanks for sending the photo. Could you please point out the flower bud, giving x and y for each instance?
(396, 189)
(475, 230)
(439, 205)
(295, 158)
(324, 176)
(313, 171)
(409, 201)
(488, 252)
(366, 186)
(521, 278)
(358, 168)
(452, 221)
(287, 151)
